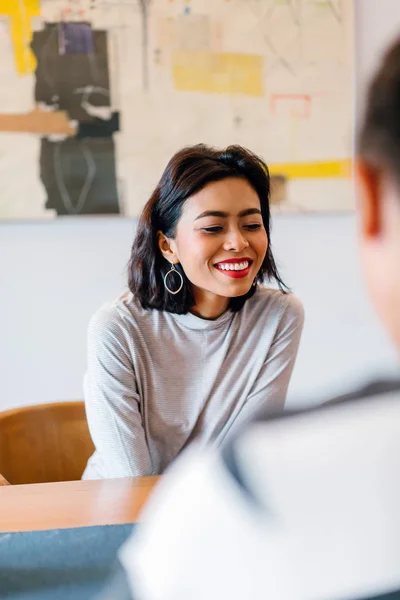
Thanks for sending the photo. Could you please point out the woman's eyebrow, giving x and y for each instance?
(212, 213)
(224, 215)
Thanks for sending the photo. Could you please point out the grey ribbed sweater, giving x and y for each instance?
(155, 380)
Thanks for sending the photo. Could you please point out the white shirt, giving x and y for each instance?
(310, 511)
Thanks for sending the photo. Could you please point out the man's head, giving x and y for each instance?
(378, 175)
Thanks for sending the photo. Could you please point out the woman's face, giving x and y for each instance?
(221, 241)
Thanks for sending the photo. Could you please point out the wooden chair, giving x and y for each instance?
(44, 443)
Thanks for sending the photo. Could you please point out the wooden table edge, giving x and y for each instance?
(65, 505)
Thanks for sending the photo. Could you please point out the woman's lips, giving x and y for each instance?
(236, 274)
(236, 269)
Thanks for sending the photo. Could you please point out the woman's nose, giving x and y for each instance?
(235, 242)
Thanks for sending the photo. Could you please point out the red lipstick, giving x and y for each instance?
(228, 267)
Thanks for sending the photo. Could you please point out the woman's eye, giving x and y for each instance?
(212, 229)
(253, 226)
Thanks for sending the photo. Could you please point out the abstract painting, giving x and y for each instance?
(98, 95)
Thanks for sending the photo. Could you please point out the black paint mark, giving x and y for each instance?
(59, 76)
(145, 9)
(99, 128)
(279, 57)
(80, 176)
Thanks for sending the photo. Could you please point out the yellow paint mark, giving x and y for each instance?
(220, 73)
(20, 13)
(313, 170)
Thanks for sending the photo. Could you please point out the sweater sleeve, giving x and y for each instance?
(270, 389)
(113, 404)
(269, 392)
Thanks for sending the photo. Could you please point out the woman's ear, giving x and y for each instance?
(368, 198)
(167, 248)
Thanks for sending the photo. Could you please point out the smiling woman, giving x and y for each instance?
(197, 346)
(231, 241)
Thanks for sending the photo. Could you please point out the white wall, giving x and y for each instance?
(54, 275)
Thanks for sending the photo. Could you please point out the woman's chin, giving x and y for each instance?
(238, 289)
(243, 293)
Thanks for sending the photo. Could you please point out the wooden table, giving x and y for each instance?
(73, 503)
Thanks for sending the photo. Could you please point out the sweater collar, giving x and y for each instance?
(192, 321)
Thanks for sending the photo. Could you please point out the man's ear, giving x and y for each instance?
(167, 248)
(369, 181)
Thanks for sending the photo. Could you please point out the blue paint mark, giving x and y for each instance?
(187, 10)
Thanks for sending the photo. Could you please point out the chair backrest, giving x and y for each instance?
(44, 443)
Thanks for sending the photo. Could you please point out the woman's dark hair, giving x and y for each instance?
(188, 171)
(379, 137)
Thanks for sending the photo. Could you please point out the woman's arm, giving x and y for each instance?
(268, 394)
(272, 384)
(113, 404)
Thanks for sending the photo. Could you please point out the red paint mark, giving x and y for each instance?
(218, 34)
(301, 104)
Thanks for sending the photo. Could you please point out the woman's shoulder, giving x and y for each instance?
(117, 314)
(271, 303)
(278, 300)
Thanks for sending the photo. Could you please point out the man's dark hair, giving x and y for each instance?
(189, 171)
(379, 137)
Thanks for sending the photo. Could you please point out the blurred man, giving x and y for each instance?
(304, 506)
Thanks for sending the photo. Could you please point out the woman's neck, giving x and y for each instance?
(209, 306)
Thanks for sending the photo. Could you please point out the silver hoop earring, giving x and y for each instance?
(255, 283)
(173, 270)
